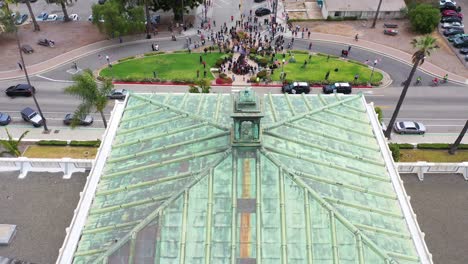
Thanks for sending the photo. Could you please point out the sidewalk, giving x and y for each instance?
(56, 133)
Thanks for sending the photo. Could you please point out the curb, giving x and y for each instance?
(224, 85)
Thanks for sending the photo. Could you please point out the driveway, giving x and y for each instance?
(444, 57)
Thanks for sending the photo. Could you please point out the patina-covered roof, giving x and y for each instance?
(314, 188)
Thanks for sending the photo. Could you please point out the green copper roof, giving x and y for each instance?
(315, 189)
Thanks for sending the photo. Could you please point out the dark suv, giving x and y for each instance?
(296, 88)
(338, 87)
(460, 43)
(31, 116)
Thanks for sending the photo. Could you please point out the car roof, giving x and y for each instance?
(27, 110)
(300, 84)
(23, 86)
(407, 124)
(342, 84)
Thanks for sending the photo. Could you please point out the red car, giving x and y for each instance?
(447, 13)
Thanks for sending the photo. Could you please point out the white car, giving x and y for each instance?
(453, 25)
(74, 17)
(90, 19)
(409, 127)
(442, 2)
(52, 17)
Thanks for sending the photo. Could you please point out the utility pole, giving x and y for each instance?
(46, 130)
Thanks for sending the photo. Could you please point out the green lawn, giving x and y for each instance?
(174, 66)
(318, 66)
(414, 155)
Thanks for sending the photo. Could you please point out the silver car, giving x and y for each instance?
(409, 127)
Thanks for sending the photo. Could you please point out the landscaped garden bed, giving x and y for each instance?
(57, 152)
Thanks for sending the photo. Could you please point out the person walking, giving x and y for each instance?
(349, 48)
(20, 66)
(107, 59)
(356, 38)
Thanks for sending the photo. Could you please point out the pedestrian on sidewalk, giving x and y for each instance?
(120, 39)
(349, 48)
(20, 66)
(107, 59)
(356, 38)
(310, 46)
(308, 34)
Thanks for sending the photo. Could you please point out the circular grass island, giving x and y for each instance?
(182, 66)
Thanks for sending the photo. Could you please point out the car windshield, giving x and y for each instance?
(33, 114)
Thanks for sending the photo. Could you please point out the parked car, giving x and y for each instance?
(74, 17)
(5, 119)
(449, 13)
(46, 42)
(52, 17)
(448, 6)
(83, 121)
(464, 50)
(27, 49)
(409, 127)
(391, 32)
(453, 31)
(460, 43)
(21, 19)
(117, 94)
(388, 25)
(31, 116)
(452, 38)
(258, 1)
(262, 11)
(20, 90)
(444, 2)
(90, 19)
(337, 87)
(296, 88)
(42, 16)
(450, 19)
(453, 25)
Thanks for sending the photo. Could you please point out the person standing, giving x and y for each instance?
(349, 48)
(107, 59)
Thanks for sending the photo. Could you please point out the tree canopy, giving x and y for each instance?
(177, 6)
(115, 18)
(424, 18)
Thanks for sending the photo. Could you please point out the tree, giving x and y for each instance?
(424, 18)
(7, 25)
(455, 145)
(178, 7)
(31, 14)
(425, 46)
(376, 14)
(200, 86)
(119, 18)
(62, 4)
(91, 94)
(11, 145)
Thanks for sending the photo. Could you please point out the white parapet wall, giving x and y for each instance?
(66, 165)
(421, 167)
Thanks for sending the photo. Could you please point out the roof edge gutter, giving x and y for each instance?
(403, 199)
(73, 235)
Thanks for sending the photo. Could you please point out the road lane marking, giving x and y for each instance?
(53, 80)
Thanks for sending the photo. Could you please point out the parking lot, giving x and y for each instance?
(81, 7)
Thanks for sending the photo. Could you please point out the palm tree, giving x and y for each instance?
(11, 145)
(425, 46)
(376, 14)
(36, 25)
(455, 145)
(91, 94)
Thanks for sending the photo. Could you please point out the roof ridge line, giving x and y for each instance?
(331, 209)
(153, 215)
(188, 114)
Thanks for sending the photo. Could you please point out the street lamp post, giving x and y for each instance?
(29, 82)
(372, 73)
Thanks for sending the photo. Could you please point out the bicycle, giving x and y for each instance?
(434, 83)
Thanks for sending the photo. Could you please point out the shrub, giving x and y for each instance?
(262, 74)
(405, 146)
(219, 62)
(379, 113)
(326, 55)
(300, 51)
(126, 58)
(253, 50)
(181, 51)
(89, 143)
(153, 53)
(253, 79)
(424, 18)
(261, 61)
(51, 143)
(395, 149)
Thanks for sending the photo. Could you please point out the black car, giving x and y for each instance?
(450, 19)
(464, 50)
(258, 1)
(296, 88)
(27, 49)
(460, 43)
(337, 87)
(31, 116)
(101, 2)
(4, 119)
(262, 11)
(448, 6)
(20, 90)
(453, 31)
(83, 121)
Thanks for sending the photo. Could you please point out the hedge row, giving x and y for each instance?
(153, 53)
(126, 58)
(89, 143)
(439, 146)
